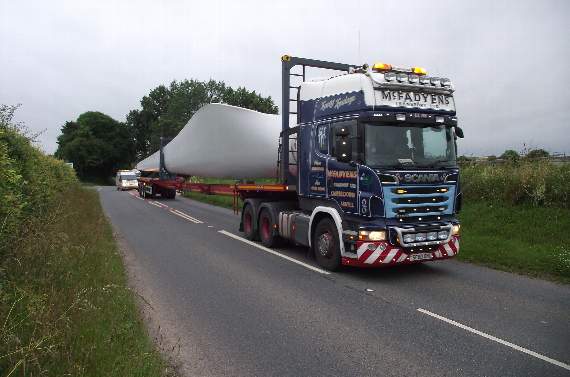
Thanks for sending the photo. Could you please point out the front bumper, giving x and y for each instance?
(382, 253)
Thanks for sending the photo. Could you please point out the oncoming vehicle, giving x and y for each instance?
(126, 180)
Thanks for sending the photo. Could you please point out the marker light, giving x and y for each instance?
(401, 117)
(381, 67)
(419, 71)
(446, 82)
(402, 77)
(435, 81)
(413, 78)
(389, 76)
(424, 80)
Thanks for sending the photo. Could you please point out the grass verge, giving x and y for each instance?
(217, 200)
(65, 307)
(523, 239)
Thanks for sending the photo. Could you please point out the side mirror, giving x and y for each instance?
(343, 148)
(459, 132)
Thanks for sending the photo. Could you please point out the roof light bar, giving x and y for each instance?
(381, 67)
(419, 71)
(389, 76)
(446, 82)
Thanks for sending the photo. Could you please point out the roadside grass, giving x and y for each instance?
(65, 307)
(534, 241)
(522, 239)
(230, 181)
(540, 183)
(217, 200)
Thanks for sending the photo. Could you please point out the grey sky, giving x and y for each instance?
(509, 60)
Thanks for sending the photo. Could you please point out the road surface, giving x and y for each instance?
(238, 309)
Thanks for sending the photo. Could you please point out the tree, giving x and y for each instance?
(166, 110)
(537, 153)
(510, 155)
(97, 145)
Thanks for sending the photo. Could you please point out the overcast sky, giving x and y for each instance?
(509, 60)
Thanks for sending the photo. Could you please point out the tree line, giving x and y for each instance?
(98, 145)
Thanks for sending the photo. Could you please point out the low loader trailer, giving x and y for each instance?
(367, 170)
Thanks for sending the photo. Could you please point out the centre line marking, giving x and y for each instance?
(267, 250)
(154, 204)
(159, 204)
(498, 340)
(185, 216)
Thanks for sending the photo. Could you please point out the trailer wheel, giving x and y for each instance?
(248, 223)
(326, 245)
(266, 225)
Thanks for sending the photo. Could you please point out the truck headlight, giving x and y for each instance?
(409, 238)
(432, 236)
(377, 235)
(421, 237)
(456, 229)
(442, 235)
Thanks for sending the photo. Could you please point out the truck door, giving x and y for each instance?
(318, 161)
(342, 177)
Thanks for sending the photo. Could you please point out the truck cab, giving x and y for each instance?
(381, 146)
(372, 161)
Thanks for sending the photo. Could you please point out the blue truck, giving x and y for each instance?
(367, 166)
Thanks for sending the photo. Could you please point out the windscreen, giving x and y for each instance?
(408, 145)
(128, 177)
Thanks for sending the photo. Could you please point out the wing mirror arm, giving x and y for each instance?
(459, 132)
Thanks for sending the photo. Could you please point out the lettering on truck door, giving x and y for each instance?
(342, 177)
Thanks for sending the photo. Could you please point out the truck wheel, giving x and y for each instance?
(266, 234)
(326, 245)
(248, 222)
(171, 194)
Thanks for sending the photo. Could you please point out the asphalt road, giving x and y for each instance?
(239, 310)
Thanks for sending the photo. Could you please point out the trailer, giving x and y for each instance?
(366, 168)
(161, 182)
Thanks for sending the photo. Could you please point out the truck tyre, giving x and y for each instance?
(248, 223)
(326, 245)
(170, 194)
(266, 226)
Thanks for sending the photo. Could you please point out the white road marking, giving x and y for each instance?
(154, 204)
(185, 216)
(267, 250)
(498, 340)
(160, 204)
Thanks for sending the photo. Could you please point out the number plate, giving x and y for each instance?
(420, 256)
